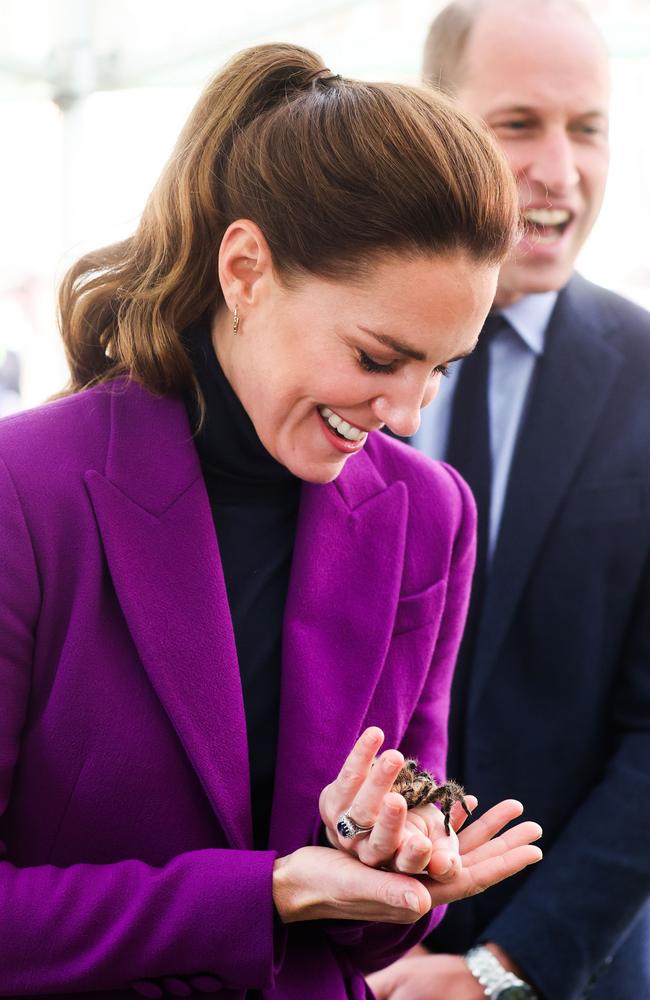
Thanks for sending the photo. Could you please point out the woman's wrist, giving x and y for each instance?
(283, 894)
(291, 897)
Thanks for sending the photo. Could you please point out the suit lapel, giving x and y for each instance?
(335, 638)
(570, 391)
(156, 525)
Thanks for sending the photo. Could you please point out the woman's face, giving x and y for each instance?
(360, 354)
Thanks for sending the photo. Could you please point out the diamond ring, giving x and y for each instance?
(347, 827)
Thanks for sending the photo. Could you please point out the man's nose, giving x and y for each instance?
(554, 163)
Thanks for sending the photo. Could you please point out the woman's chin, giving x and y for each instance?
(316, 469)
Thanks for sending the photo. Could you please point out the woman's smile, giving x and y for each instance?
(343, 434)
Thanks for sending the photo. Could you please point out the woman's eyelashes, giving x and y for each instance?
(370, 365)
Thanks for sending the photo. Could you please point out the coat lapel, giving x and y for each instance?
(341, 604)
(570, 392)
(156, 525)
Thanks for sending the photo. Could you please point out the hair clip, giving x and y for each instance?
(324, 76)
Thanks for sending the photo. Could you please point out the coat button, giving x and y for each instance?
(206, 984)
(147, 988)
(177, 987)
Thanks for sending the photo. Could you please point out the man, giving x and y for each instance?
(551, 700)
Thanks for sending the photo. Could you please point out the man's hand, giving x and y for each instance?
(426, 977)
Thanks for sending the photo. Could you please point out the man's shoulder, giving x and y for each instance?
(621, 319)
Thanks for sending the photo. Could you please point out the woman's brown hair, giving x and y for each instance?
(333, 171)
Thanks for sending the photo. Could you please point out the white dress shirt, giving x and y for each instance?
(513, 354)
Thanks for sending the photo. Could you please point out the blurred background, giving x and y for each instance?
(94, 92)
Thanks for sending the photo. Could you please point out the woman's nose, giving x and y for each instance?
(400, 411)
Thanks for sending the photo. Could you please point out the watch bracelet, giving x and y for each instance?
(491, 975)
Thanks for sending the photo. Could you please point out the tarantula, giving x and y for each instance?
(419, 787)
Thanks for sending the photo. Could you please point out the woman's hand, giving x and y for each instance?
(317, 883)
(406, 841)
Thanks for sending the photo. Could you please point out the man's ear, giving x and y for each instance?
(245, 263)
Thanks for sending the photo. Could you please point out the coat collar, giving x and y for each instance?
(570, 391)
(156, 525)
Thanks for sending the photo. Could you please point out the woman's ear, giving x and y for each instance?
(245, 264)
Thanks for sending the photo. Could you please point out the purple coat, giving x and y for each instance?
(125, 813)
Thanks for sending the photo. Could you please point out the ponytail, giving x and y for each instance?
(333, 171)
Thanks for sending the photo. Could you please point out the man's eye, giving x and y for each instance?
(370, 365)
(589, 130)
(509, 125)
(442, 370)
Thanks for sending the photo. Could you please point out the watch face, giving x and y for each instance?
(523, 992)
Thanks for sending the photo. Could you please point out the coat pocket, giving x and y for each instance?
(416, 610)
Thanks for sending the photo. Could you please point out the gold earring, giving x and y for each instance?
(235, 321)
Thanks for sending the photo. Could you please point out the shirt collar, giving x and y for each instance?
(529, 318)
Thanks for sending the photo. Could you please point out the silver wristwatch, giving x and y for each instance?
(496, 981)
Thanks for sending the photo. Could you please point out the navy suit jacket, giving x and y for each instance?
(558, 695)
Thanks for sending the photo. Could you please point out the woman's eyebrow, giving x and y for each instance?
(409, 352)
(465, 354)
(395, 345)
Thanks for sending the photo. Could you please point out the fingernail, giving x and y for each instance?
(412, 901)
(449, 866)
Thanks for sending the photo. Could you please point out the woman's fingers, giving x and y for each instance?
(396, 840)
(337, 796)
(444, 863)
(523, 833)
(367, 803)
(360, 790)
(487, 873)
(481, 830)
(458, 817)
(477, 878)
(387, 833)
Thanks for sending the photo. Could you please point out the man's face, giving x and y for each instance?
(538, 75)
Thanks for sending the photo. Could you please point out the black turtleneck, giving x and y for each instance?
(254, 504)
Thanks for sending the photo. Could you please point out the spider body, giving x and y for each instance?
(419, 788)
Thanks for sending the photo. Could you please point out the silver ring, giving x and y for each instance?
(347, 827)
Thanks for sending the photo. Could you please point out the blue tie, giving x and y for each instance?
(468, 450)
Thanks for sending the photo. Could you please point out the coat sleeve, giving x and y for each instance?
(101, 927)
(369, 947)
(595, 879)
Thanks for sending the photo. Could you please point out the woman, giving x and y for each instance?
(219, 578)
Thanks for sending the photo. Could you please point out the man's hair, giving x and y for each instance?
(334, 172)
(449, 34)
